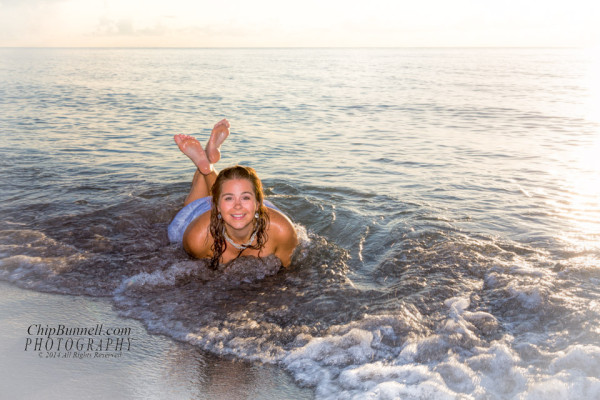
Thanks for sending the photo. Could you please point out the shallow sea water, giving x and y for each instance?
(448, 202)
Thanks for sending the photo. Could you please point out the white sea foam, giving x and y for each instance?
(354, 365)
(166, 277)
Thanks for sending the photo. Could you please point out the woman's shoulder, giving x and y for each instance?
(279, 222)
(282, 235)
(197, 240)
(281, 231)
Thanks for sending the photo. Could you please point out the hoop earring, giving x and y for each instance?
(219, 216)
(256, 215)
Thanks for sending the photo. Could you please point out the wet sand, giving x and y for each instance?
(153, 367)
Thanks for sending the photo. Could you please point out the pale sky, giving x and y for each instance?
(299, 23)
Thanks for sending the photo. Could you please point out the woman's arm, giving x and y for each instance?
(196, 239)
(284, 236)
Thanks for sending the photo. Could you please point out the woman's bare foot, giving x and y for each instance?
(193, 149)
(217, 137)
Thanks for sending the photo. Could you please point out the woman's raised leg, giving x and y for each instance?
(200, 186)
(193, 149)
(218, 135)
(205, 175)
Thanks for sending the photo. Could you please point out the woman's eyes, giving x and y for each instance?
(230, 198)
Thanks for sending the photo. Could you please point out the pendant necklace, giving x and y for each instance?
(239, 246)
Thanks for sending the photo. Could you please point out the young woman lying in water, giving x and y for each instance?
(225, 216)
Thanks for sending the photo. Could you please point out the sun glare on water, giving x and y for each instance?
(592, 83)
(580, 203)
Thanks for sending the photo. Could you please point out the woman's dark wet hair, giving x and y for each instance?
(217, 224)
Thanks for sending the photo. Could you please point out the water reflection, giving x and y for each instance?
(579, 204)
(197, 375)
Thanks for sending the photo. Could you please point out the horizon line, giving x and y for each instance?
(295, 47)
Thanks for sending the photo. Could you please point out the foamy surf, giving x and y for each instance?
(462, 350)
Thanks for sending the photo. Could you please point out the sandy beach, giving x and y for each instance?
(154, 367)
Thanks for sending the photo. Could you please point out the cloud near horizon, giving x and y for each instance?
(269, 23)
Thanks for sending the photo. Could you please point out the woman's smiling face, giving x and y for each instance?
(237, 203)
